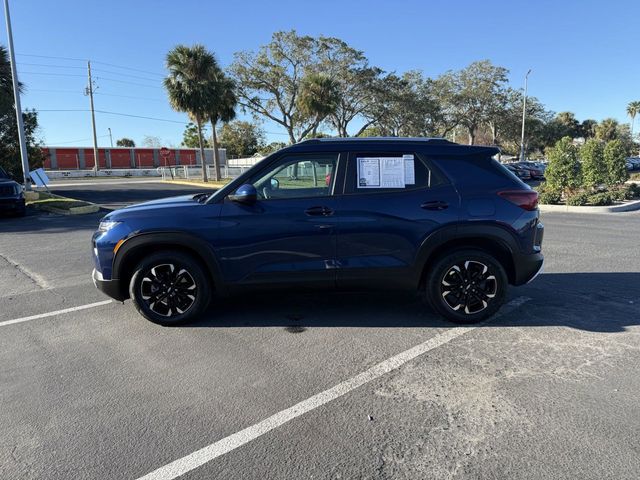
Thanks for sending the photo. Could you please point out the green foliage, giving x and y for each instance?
(125, 142)
(563, 172)
(190, 137)
(10, 146)
(594, 169)
(600, 199)
(578, 199)
(241, 139)
(550, 197)
(615, 156)
(271, 147)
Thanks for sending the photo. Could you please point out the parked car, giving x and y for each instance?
(522, 173)
(535, 171)
(11, 195)
(633, 163)
(425, 215)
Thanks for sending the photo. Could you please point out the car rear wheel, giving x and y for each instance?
(466, 286)
(169, 288)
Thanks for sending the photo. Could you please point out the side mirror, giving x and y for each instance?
(274, 183)
(246, 194)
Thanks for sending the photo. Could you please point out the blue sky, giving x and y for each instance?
(584, 54)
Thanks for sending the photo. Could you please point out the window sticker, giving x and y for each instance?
(409, 170)
(381, 172)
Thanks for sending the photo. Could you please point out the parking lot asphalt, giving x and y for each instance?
(383, 388)
(117, 193)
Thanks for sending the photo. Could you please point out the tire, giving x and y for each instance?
(153, 288)
(479, 298)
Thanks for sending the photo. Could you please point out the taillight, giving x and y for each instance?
(525, 199)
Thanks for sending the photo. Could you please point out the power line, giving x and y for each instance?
(74, 141)
(125, 74)
(48, 65)
(130, 96)
(94, 61)
(55, 74)
(128, 83)
(130, 68)
(51, 56)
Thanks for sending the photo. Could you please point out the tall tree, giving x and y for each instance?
(270, 81)
(318, 98)
(633, 108)
(607, 130)
(588, 128)
(241, 139)
(191, 86)
(472, 93)
(190, 137)
(9, 144)
(563, 173)
(125, 142)
(222, 110)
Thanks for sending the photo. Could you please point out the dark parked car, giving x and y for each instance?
(424, 215)
(11, 195)
(521, 173)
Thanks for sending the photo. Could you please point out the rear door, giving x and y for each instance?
(392, 201)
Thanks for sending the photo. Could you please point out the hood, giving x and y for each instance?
(165, 202)
(7, 181)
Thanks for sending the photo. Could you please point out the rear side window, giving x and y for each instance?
(369, 172)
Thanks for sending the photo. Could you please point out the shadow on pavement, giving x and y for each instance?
(38, 221)
(597, 302)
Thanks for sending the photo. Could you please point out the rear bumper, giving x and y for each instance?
(111, 288)
(527, 267)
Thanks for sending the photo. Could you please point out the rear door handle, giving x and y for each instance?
(435, 205)
(319, 211)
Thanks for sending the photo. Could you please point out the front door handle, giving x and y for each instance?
(319, 211)
(435, 205)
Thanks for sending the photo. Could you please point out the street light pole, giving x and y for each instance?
(524, 114)
(16, 98)
(110, 136)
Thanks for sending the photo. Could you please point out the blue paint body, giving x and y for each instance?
(351, 238)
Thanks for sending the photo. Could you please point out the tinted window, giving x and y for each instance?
(385, 172)
(297, 176)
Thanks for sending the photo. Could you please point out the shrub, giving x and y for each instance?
(563, 171)
(594, 169)
(578, 199)
(601, 199)
(615, 158)
(549, 197)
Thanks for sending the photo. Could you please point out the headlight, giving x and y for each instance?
(107, 225)
(18, 189)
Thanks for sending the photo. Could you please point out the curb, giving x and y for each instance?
(216, 185)
(625, 207)
(93, 208)
(82, 210)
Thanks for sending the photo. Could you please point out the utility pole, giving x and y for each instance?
(524, 114)
(110, 137)
(89, 92)
(16, 98)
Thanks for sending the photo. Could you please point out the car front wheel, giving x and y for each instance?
(169, 288)
(466, 286)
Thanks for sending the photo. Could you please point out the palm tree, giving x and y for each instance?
(632, 110)
(222, 110)
(6, 82)
(191, 86)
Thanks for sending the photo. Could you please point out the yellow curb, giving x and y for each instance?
(215, 185)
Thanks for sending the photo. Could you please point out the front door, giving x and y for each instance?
(287, 236)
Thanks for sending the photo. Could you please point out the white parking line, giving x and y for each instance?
(52, 314)
(204, 455)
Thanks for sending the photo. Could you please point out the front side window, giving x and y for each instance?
(297, 176)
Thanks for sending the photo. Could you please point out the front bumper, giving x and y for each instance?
(111, 288)
(11, 204)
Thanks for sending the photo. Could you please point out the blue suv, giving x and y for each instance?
(426, 215)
